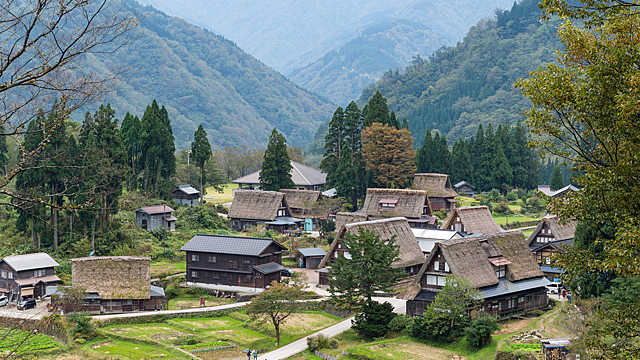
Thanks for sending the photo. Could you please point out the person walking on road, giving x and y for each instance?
(255, 354)
(564, 293)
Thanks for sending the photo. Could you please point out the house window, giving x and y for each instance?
(233, 264)
(446, 267)
(3, 274)
(442, 281)
(388, 204)
(236, 223)
(10, 274)
(195, 257)
(521, 299)
(500, 306)
(215, 275)
(212, 259)
(436, 280)
(195, 274)
(246, 279)
(282, 212)
(436, 266)
(501, 271)
(246, 261)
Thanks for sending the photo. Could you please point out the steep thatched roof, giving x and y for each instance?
(472, 258)
(256, 205)
(410, 253)
(436, 185)
(476, 220)
(558, 230)
(296, 199)
(113, 277)
(410, 202)
(344, 218)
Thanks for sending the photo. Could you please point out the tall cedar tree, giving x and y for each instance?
(130, 130)
(345, 176)
(353, 134)
(276, 304)
(556, 182)
(388, 154)
(333, 143)
(501, 174)
(369, 270)
(201, 153)
(158, 149)
(462, 168)
(276, 167)
(376, 111)
(424, 155)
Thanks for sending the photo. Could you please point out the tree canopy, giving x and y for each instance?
(276, 167)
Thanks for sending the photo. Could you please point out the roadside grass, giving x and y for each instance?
(120, 349)
(214, 197)
(164, 268)
(187, 301)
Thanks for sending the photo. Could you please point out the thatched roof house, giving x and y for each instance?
(256, 205)
(300, 200)
(396, 202)
(472, 220)
(113, 277)
(500, 265)
(344, 218)
(410, 253)
(551, 230)
(438, 187)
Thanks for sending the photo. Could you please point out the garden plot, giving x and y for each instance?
(15, 341)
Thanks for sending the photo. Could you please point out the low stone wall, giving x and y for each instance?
(158, 318)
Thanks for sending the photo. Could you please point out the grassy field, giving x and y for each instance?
(164, 268)
(192, 301)
(215, 197)
(236, 329)
(22, 342)
(501, 220)
(120, 349)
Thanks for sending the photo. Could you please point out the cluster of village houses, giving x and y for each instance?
(511, 271)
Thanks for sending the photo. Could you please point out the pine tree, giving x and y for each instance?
(556, 180)
(276, 167)
(333, 143)
(201, 153)
(377, 111)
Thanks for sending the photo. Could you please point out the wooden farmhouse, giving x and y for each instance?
(156, 217)
(550, 236)
(233, 260)
(428, 238)
(115, 284)
(251, 208)
(500, 266)
(472, 220)
(27, 276)
(301, 202)
(438, 187)
(466, 189)
(303, 176)
(186, 195)
(546, 190)
(411, 257)
(411, 204)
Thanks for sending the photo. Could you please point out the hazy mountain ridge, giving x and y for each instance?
(204, 78)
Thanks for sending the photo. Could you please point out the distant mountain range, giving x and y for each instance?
(332, 47)
(204, 78)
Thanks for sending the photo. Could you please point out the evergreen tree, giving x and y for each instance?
(442, 157)
(461, 163)
(556, 182)
(276, 167)
(476, 151)
(377, 111)
(501, 170)
(345, 177)
(333, 144)
(424, 154)
(158, 149)
(130, 130)
(353, 133)
(201, 152)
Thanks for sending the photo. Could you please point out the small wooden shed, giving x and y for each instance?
(310, 258)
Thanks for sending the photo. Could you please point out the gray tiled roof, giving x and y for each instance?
(301, 175)
(312, 252)
(30, 261)
(156, 291)
(226, 244)
(269, 268)
(187, 189)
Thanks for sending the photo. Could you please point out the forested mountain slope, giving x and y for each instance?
(203, 78)
(290, 34)
(471, 83)
(341, 75)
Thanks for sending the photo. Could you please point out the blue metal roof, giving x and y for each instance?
(506, 287)
(552, 269)
(312, 252)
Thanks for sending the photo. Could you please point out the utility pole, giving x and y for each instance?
(188, 153)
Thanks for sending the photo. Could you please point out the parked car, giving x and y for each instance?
(286, 272)
(27, 304)
(554, 287)
(3, 300)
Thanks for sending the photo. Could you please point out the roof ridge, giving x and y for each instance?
(294, 165)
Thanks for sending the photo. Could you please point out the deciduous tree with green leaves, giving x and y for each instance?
(201, 152)
(276, 167)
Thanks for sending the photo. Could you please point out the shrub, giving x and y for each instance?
(82, 326)
(173, 291)
(436, 326)
(494, 195)
(327, 227)
(512, 196)
(521, 194)
(221, 209)
(321, 342)
(441, 214)
(478, 333)
(501, 207)
(374, 320)
(401, 324)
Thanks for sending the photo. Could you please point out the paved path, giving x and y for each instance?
(168, 312)
(301, 345)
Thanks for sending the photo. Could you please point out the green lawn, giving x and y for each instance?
(214, 197)
(187, 301)
(501, 220)
(120, 349)
(164, 268)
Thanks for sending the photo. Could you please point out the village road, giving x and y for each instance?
(168, 312)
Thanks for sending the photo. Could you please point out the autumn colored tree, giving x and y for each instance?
(388, 154)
